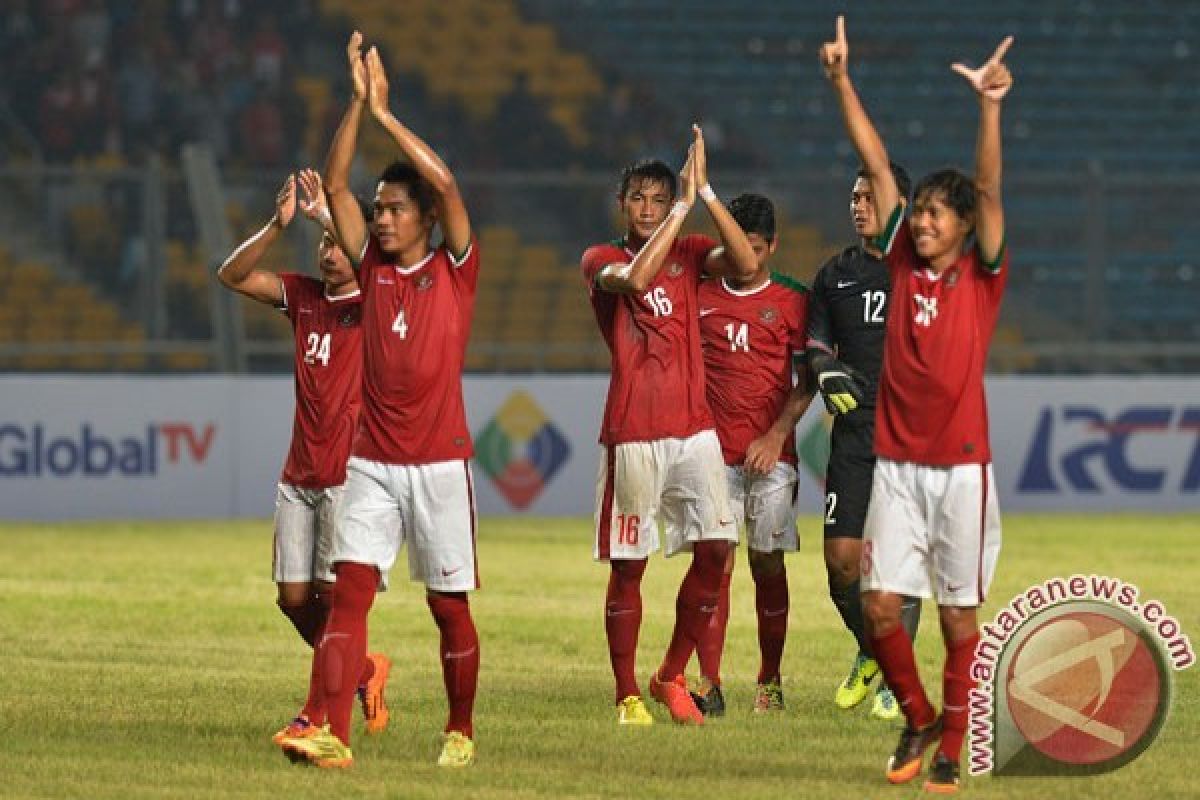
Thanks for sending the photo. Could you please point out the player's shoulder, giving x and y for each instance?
(712, 288)
(299, 284)
(696, 244)
(443, 252)
(789, 284)
(605, 253)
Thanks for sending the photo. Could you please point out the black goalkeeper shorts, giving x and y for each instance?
(848, 478)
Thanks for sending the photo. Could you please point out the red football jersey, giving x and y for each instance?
(328, 369)
(416, 321)
(931, 407)
(657, 385)
(751, 339)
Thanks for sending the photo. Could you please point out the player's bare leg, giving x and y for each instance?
(771, 605)
(894, 652)
(694, 606)
(708, 696)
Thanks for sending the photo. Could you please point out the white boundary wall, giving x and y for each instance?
(74, 447)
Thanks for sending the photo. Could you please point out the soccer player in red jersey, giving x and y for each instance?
(752, 325)
(408, 479)
(661, 455)
(325, 314)
(933, 497)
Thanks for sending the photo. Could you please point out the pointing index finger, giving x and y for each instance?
(841, 29)
(998, 56)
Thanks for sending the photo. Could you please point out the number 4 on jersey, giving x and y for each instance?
(400, 325)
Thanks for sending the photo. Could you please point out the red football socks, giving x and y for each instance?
(343, 647)
(956, 691)
(712, 642)
(314, 704)
(695, 605)
(459, 651)
(771, 602)
(623, 621)
(894, 652)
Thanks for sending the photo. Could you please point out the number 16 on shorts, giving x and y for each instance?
(627, 529)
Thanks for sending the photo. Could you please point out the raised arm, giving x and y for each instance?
(735, 255)
(314, 204)
(349, 225)
(991, 83)
(240, 271)
(835, 58)
(452, 212)
(634, 277)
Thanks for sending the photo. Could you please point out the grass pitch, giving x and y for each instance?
(148, 660)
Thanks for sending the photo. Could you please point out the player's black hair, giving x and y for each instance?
(417, 187)
(651, 170)
(755, 214)
(957, 189)
(900, 174)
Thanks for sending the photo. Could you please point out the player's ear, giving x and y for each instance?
(774, 245)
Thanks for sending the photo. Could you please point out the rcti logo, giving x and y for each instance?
(1075, 679)
(32, 451)
(1098, 444)
(520, 449)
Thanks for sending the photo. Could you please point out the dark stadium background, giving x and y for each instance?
(139, 141)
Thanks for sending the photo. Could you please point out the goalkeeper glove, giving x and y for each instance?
(841, 385)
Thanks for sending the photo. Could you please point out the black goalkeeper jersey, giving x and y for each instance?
(847, 314)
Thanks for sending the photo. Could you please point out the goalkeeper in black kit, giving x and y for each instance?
(847, 316)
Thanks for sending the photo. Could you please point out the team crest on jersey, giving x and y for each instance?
(424, 281)
(768, 315)
(675, 269)
(350, 317)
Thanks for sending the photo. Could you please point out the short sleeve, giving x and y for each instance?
(291, 283)
(896, 242)
(594, 260)
(465, 270)
(371, 257)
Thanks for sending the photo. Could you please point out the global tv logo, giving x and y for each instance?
(520, 449)
(38, 450)
(1075, 679)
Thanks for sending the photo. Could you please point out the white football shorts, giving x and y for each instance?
(304, 525)
(932, 531)
(428, 507)
(681, 480)
(766, 507)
